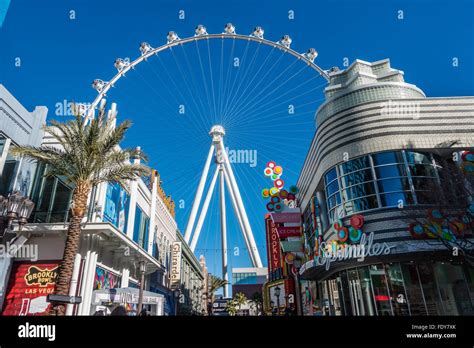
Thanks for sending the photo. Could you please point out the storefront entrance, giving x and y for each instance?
(407, 288)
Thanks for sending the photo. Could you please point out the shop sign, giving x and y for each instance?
(332, 252)
(289, 231)
(28, 288)
(286, 217)
(175, 264)
(274, 251)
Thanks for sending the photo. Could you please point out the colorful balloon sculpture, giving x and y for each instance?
(278, 196)
(442, 225)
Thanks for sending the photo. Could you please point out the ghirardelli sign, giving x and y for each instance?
(40, 276)
(175, 274)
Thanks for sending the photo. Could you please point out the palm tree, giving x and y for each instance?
(88, 155)
(240, 299)
(215, 283)
(231, 307)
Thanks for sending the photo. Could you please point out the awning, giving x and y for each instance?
(126, 295)
(111, 241)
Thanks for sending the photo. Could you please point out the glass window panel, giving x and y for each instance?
(332, 188)
(391, 185)
(356, 177)
(354, 165)
(331, 175)
(453, 289)
(397, 289)
(362, 190)
(394, 199)
(338, 199)
(422, 170)
(413, 289)
(61, 202)
(380, 287)
(137, 225)
(387, 158)
(332, 201)
(469, 274)
(361, 204)
(425, 184)
(430, 291)
(417, 158)
(391, 171)
(46, 195)
(6, 177)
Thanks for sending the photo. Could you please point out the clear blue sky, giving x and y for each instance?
(61, 56)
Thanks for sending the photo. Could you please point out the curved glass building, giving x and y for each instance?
(386, 192)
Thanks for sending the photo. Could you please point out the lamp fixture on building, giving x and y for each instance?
(14, 207)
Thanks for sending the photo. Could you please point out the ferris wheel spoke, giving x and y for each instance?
(221, 77)
(270, 104)
(262, 78)
(226, 82)
(190, 92)
(212, 80)
(255, 100)
(195, 85)
(203, 76)
(178, 90)
(242, 82)
(231, 91)
(243, 94)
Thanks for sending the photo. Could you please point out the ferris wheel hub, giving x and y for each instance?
(217, 132)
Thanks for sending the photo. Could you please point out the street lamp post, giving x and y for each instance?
(14, 207)
(176, 296)
(277, 294)
(299, 302)
(142, 281)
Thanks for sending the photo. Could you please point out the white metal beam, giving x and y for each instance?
(197, 199)
(248, 230)
(225, 274)
(239, 217)
(203, 214)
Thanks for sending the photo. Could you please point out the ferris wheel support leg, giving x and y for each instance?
(225, 274)
(237, 213)
(248, 230)
(203, 214)
(197, 199)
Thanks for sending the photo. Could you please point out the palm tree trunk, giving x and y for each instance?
(78, 209)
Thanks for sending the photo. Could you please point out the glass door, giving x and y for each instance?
(453, 289)
(397, 289)
(380, 290)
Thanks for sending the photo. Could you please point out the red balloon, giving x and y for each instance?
(357, 221)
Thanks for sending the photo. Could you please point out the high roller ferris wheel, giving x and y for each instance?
(217, 151)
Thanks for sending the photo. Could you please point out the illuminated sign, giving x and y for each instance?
(334, 251)
(273, 246)
(41, 277)
(28, 288)
(289, 231)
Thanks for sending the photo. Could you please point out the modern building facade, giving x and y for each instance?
(387, 200)
(249, 281)
(127, 231)
(18, 126)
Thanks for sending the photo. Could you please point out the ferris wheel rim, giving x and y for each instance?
(170, 44)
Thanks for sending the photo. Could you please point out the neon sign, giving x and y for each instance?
(351, 243)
